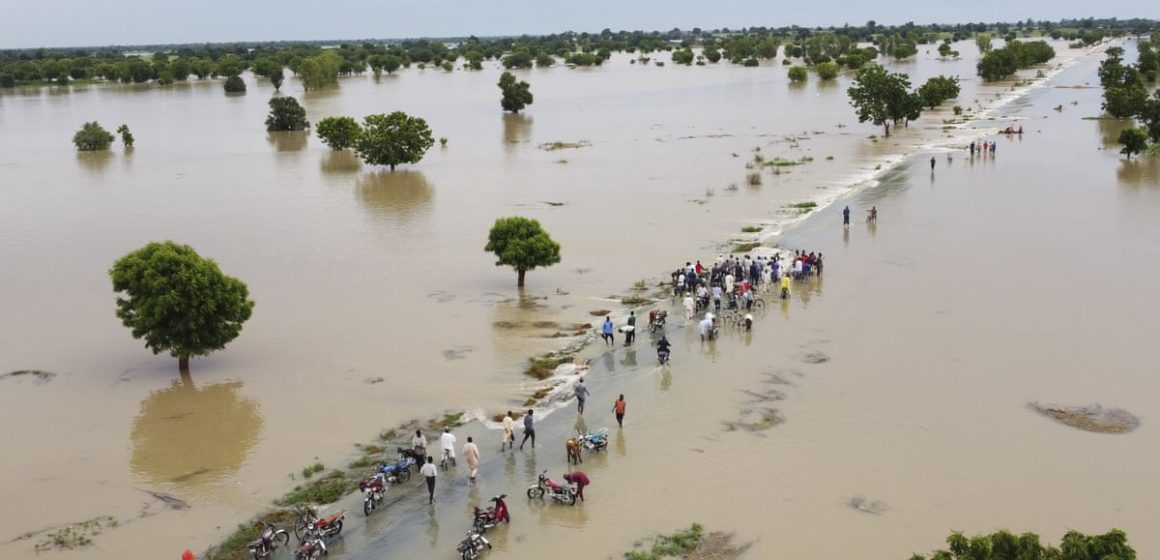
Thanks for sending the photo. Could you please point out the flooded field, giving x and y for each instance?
(980, 290)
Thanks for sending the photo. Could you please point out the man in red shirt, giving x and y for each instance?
(579, 480)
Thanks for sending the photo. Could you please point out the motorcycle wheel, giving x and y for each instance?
(337, 528)
(300, 530)
(404, 475)
(535, 492)
(316, 553)
(571, 499)
(281, 536)
(261, 553)
(368, 506)
(469, 553)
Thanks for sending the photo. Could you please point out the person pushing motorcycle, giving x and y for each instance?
(578, 481)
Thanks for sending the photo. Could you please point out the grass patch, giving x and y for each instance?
(326, 490)
(781, 162)
(751, 229)
(449, 420)
(312, 470)
(362, 462)
(746, 247)
(690, 544)
(541, 367)
(804, 206)
(753, 179)
(635, 300)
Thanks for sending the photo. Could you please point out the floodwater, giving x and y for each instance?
(987, 285)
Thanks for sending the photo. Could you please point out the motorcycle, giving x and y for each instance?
(594, 441)
(311, 549)
(374, 490)
(418, 457)
(656, 320)
(487, 518)
(308, 525)
(663, 356)
(559, 492)
(471, 547)
(268, 541)
(399, 471)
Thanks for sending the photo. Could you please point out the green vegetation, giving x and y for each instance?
(938, 90)
(798, 74)
(516, 94)
(1124, 89)
(1133, 141)
(1003, 545)
(178, 301)
(92, 137)
(325, 490)
(286, 115)
(946, 51)
(317, 72)
(235, 84)
(393, 139)
(312, 470)
(1001, 63)
(805, 206)
(882, 97)
(541, 367)
(746, 247)
(339, 133)
(126, 136)
(676, 545)
(522, 244)
(751, 229)
(983, 41)
(828, 70)
(683, 56)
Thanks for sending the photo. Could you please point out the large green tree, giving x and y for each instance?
(179, 302)
(285, 115)
(393, 139)
(92, 137)
(516, 94)
(881, 97)
(521, 244)
(1133, 141)
(1004, 545)
(339, 133)
(938, 89)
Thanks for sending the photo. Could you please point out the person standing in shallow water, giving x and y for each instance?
(471, 453)
(509, 432)
(430, 472)
(932, 164)
(606, 331)
(630, 332)
(846, 216)
(529, 430)
(618, 408)
(581, 395)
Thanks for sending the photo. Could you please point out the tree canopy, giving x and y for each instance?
(393, 139)
(92, 137)
(1001, 63)
(880, 96)
(1004, 545)
(126, 136)
(339, 133)
(937, 90)
(179, 302)
(515, 94)
(522, 244)
(1133, 141)
(798, 74)
(286, 115)
(235, 84)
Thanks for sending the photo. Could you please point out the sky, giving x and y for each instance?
(62, 23)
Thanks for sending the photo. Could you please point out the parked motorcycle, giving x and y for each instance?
(559, 492)
(374, 490)
(663, 356)
(471, 547)
(594, 441)
(308, 525)
(487, 518)
(268, 541)
(418, 457)
(399, 471)
(311, 549)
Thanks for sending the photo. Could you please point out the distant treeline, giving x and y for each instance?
(318, 63)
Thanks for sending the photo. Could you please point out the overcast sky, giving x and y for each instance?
(58, 23)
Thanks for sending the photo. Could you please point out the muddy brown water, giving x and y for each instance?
(997, 282)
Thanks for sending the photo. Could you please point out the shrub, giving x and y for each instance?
(828, 70)
(798, 74)
(92, 137)
(235, 84)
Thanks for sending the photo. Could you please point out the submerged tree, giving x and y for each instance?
(286, 115)
(126, 136)
(179, 302)
(882, 97)
(339, 133)
(235, 84)
(1133, 141)
(92, 137)
(516, 94)
(798, 74)
(1004, 545)
(521, 244)
(938, 89)
(393, 139)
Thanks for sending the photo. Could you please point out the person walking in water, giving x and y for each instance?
(606, 331)
(618, 409)
(846, 216)
(447, 442)
(932, 164)
(509, 432)
(419, 445)
(471, 453)
(630, 332)
(430, 472)
(689, 305)
(529, 430)
(581, 394)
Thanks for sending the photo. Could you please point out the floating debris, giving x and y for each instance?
(1094, 418)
